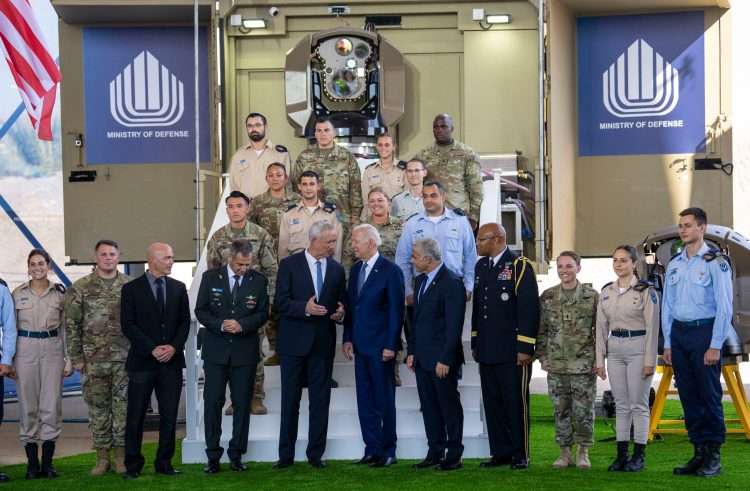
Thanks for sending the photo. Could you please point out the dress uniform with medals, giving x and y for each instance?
(504, 323)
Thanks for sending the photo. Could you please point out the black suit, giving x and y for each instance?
(147, 326)
(436, 337)
(504, 322)
(230, 357)
(307, 345)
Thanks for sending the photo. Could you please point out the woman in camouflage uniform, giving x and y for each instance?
(566, 348)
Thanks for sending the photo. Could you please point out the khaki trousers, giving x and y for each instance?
(625, 370)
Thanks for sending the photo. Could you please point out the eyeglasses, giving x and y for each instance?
(483, 239)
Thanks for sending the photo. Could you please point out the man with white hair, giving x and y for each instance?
(372, 329)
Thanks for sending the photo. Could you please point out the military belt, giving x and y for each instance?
(627, 333)
(37, 334)
(695, 323)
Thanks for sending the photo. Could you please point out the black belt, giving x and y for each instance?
(695, 323)
(626, 333)
(38, 334)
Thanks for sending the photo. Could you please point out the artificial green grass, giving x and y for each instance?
(662, 456)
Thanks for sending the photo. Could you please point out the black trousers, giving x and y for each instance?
(505, 392)
(167, 382)
(241, 381)
(442, 413)
(316, 370)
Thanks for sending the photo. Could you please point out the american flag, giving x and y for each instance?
(33, 68)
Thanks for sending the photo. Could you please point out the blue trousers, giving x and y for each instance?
(376, 404)
(699, 385)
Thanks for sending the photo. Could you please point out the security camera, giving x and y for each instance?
(273, 11)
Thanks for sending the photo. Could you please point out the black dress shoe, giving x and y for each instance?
(334, 384)
(519, 463)
(427, 463)
(283, 464)
(237, 466)
(366, 460)
(129, 475)
(168, 471)
(450, 465)
(384, 462)
(318, 464)
(212, 467)
(496, 462)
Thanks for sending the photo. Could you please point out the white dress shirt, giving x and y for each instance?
(313, 270)
(495, 259)
(370, 264)
(232, 274)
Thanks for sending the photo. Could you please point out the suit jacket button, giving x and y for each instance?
(485, 316)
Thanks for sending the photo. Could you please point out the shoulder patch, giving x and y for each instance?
(459, 212)
(329, 207)
(608, 284)
(281, 148)
(60, 287)
(724, 266)
(642, 285)
(401, 164)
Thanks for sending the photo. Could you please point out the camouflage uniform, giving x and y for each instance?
(389, 232)
(95, 340)
(264, 252)
(267, 212)
(566, 346)
(340, 182)
(456, 166)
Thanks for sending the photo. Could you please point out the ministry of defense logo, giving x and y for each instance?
(146, 94)
(640, 83)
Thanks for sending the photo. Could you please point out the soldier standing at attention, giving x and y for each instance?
(696, 319)
(249, 163)
(566, 347)
(40, 363)
(338, 171)
(296, 222)
(387, 173)
(409, 202)
(504, 324)
(217, 255)
(267, 210)
(98, 349)
(456, 166)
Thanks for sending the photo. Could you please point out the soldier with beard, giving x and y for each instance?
(249, 163)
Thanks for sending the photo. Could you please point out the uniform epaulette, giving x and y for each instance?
(401, 164)
(282, 149)
(411, 216)
(370, 165)
(329, 207)
(642, 285)
(459, 212)
(60, 287)
(605, 286)
(397, 195)
(674, 256)
(712, 254)
(291, 206)
(520, 258)
(2, 282)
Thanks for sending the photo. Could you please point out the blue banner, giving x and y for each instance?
(641, 84)
(140, 96)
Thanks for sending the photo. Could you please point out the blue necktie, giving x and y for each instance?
(319, 277)
(422, 289)
(361, 278)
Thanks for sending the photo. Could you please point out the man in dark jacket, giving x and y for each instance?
(232, 305)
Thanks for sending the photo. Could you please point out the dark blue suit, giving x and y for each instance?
(307, 345)
(372, 324)
(436, 337)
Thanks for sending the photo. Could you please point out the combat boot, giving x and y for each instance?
(32, 457)
(582, 458)
(120, 460)
(257, 407)
(622, 458)
(102, 462)
(693, 464)
(564, 460)
(48, 452)
(638, 462)
(711, 466)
